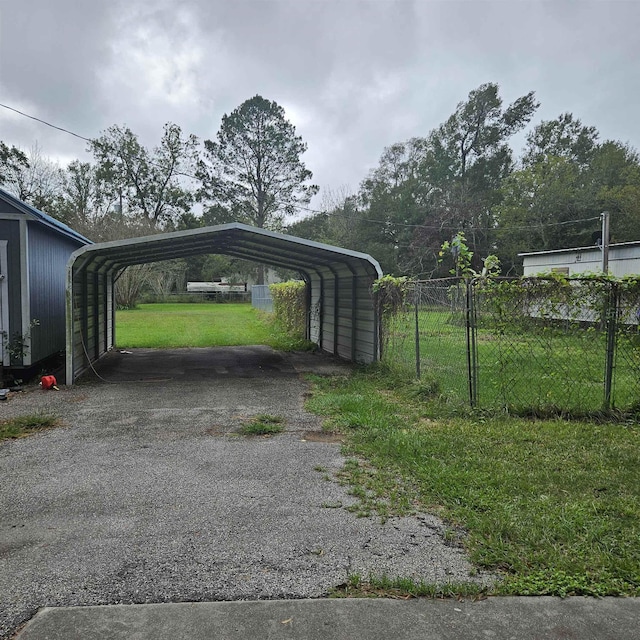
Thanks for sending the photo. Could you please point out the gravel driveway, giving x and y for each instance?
(148, 493)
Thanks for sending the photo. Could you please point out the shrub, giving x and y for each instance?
(289, 306)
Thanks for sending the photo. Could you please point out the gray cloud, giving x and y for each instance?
(353, 76)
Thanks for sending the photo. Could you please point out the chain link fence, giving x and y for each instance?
(536, 344)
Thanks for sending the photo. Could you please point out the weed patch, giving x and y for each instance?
(25, 425)
(263, 425)
(405, 588)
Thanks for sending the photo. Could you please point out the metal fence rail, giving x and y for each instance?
(261, 297)
(526, 344)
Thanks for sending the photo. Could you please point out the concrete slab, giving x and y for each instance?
(366, 619)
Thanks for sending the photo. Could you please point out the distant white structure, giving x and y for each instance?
(217, 286)
(271, 276)
(624, 259)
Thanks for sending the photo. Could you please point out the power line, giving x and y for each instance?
(53, 126)
(443, 227)
(316, 211)
(77, 135)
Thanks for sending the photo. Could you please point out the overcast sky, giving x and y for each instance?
(353, 76)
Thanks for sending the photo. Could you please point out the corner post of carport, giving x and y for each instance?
(70, 321)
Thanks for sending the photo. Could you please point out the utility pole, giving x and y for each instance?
(605, 241)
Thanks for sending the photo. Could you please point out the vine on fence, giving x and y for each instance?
(578, 298)
(390, 298)
(289, 306)
(391, 294)
(568, 328)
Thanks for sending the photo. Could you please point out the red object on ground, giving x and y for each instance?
(48, 382)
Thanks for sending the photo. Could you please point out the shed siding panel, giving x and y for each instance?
(10, 231)
(48, 256)
(328, 314)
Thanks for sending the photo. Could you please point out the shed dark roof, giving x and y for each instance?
(42, 217)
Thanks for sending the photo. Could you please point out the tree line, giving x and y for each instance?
(462, 177)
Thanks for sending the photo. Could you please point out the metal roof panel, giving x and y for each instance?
(43, 218)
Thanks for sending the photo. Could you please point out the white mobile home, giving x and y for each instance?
(624, 259)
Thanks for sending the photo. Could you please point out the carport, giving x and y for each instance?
(341, 317)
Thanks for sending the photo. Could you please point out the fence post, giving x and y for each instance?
(611, 319)
(416, 303)
(380, 318)
(472, 369)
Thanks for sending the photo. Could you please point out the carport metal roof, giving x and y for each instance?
(340, 315)
(234, 239)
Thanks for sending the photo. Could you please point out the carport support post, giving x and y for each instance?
(69, 325)
(96, 314)
(307, 281)
(112, 302)
(336, 313)
(84, 327)
(321, 311)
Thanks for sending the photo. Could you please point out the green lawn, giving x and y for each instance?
(551, 506)
(169, 325)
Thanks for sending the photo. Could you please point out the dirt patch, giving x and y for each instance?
(322, 436)
(216, 430)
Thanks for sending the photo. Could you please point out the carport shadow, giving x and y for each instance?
(185, 365)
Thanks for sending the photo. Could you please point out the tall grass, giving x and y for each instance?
(25, 425)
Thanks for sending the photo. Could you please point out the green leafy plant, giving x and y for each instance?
(391, 293)
(390, 299)
(462, 256)
(17, 346)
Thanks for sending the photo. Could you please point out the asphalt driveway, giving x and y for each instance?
(149, 494)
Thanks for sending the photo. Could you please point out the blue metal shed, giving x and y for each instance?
(34, 251)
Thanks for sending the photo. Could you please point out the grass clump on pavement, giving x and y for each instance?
(25, 425)
(263, 425)
(552, 506)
